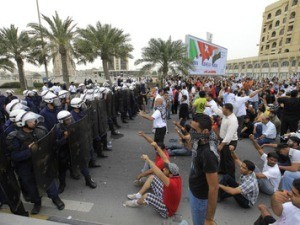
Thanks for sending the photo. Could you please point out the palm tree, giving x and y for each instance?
(18, 46)
(5, 63)
(167, 56)
(102, 41)
(60, 36)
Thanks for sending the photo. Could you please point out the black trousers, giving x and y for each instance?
(227, 165)
(289, 124)
(159, 135)
(264, 221)
(230, 182)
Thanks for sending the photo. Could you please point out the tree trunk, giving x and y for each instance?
(65, 72)
(20, 64)
(105, 68)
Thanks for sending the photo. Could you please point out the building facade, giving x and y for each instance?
(279, 46)
(118, 64)
(57, 67)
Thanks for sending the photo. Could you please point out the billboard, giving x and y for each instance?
(208, 58)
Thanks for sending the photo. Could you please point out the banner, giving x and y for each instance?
(208, 58)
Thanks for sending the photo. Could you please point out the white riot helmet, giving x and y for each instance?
(106, 84)
(25, 93)
(15, 105)
(13, 114)
(63, 115)
(52, 99)
(43, 93)
(81, 85)
(24, 117)
(63, 94)
(35, 91)
(76, 103)
(9, 92)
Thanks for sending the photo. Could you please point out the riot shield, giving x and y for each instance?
(44, 161)
(102, 117)
(79, 143)
(93, 118)
(8, 182)
(108, 102)
(113, 106)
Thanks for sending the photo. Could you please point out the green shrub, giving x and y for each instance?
(10, 85)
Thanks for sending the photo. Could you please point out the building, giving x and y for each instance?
(118, 64)
(57, 67)
(279, 46)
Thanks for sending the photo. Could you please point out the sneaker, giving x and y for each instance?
(132, 203)
(132, 196)
(138, 183)
(36, 209)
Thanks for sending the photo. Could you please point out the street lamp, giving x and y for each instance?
(43, 46)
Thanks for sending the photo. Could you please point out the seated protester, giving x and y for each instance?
(247, 128)
(166, 185)
(161, 157)
(285, 205)
(270, 177)
(246, 192)
(183, 110)
(181, 150)
(264, 131)
(200, 103)
(251, 112)
(292, 172)
(275, 120)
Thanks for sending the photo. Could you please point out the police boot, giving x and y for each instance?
(36, 208)
(58, 203)
(93, 164)
(113, 132)
(124, 121)
(74, 174)
(100, 152)
(61, 187)
(89, 182)
(117, 125)
(20, 210)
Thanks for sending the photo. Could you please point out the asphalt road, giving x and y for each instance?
(104, 205)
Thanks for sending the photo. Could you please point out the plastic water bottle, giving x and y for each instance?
(183, 222)
(109, 145)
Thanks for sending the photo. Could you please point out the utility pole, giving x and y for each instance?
(42, 38)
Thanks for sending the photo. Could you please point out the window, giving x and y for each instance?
(281, 31)
(294, 63)
(262, 48)
(292, 16)
(270, 26)
(290, 28)
(243, 66)
(269, 16)
(295, 2)
(267, 46)
(286, 8)
(263, 39)
(274, 64)
(274, 45)
(250, 66)
(257, 65)
(277, 23)
(284, 20)
(278, 12)
(265, 65)
(286, 50)
(288, 40)
(236, 67)
(285, 64)
(273, 34)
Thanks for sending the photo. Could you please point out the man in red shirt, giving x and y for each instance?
(167, 188)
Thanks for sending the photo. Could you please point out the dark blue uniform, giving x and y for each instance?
(50, 116)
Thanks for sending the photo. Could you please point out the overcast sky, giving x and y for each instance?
(235, 24)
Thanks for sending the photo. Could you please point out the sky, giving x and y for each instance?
(235, 24)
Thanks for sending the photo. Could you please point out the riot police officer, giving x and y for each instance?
(21, 144)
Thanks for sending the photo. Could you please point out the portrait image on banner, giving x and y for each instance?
(208, 58)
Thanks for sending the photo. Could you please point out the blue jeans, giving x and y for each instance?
(288, 178)
(179, 150)
(259, 133)
(198, 209)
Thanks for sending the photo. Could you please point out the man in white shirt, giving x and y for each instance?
(228, 135)
(184, 92)
(270, 177)
(254, 100)
(240, 101)
(292, 172)
(45, 87)
(285, 205)
(211, 102)
(159, 121)
(265, 131)
(72, 89)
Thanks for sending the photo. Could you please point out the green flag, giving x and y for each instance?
(193, 50)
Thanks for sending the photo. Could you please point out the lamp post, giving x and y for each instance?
(43, 46)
